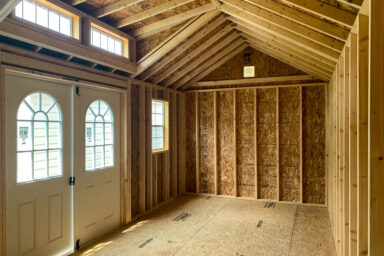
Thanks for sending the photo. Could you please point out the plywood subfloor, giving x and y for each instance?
(221, 226)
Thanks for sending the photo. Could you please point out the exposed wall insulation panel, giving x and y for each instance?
(314, 145)
(245, 136)
(135, 171)
(207, 152)
(225, 146)
(190, 113)
(267, 144)
(289, 144)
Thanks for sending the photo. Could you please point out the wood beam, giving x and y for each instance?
(179, 74)
(213, 63)
(142, 152)
(292, 26)
(325, 11)
(353, 3)
(293, 51)
(174, 41)
(376, 128)
(6, 7)
(331, 53)
(150, 12)
(77, 2)
(156, 67)
(114, 7)
(362, 134)
(148, 148)
(353, 144)
(196, 52)
(299, 17)
(253, 30)
(161, 25)
(255, 80)
(187, 74)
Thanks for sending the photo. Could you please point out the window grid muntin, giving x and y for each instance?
(49, 10)
(109, 37)
(104, 145)
(47, 149)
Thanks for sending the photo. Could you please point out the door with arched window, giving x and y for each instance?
(97, 163)
(39, 164)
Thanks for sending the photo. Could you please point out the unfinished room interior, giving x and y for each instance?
(192, 127)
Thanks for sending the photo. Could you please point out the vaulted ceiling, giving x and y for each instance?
(182, 41)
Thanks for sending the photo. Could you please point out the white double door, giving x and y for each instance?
(45, 215)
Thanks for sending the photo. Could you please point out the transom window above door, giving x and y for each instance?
(98, 136)
(39, 138)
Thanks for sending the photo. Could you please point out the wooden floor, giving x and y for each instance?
(221, 226)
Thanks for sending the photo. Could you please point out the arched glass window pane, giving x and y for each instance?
(39, 138)
(98, 136)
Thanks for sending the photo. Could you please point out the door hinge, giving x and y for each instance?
(77, 90)
(72, 181)
(77, 244)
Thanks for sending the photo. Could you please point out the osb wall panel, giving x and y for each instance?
(289, 144)
(245, 139)
(190, 113)
(135, 171)
(266, 144)
(225, 145)
(207, 143)
(265, 66)
(314, 145)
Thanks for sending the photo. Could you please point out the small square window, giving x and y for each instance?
(107, 42)
(249, 71)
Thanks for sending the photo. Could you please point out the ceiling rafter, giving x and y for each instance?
(301, 18)
(291, 49)
(326, 52)
(151, 12)
(288, 43)
(242, 7)
(114, 7)
(289, 54)
(180, 73)
(213, 63)
(221, 33)
(184, 46)
(178, 37)
(325, 11)
(161, 25)
(289, 60)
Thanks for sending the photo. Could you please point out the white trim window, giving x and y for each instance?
(106, 42)
(159, 125)
(98, 136)
(44, 16)
(39, 138)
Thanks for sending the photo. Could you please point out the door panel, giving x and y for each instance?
(97, 192)
(38, 212)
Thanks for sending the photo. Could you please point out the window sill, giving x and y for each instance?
(159, 151)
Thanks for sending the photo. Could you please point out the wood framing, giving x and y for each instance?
(2, 161)
(151, 12)
(376, 128)
(298, 17)
(142, 147)
(6, 7)
(255, 80)
(156, 67)
(325, 11)
(245, 10)
(161, 25)
(173, 41)
(198, 51)
(114, 7)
